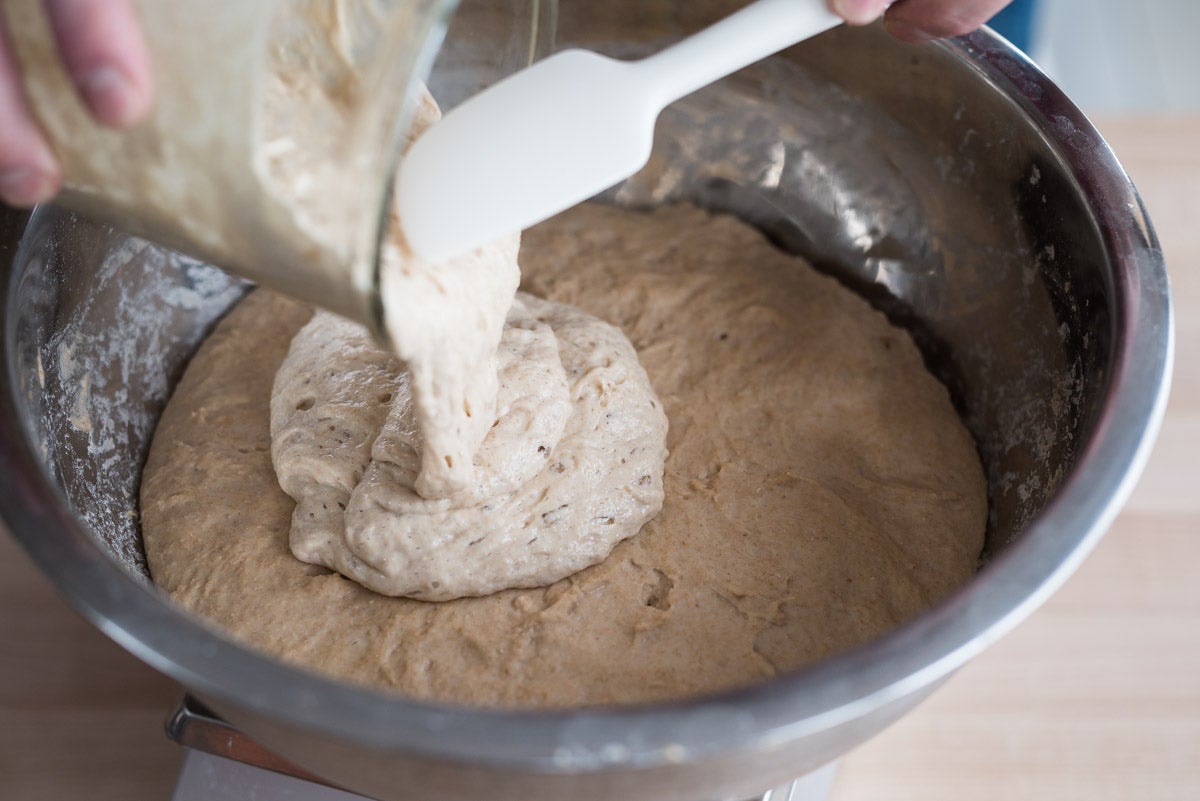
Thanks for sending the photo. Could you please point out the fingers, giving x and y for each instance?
(922, 20)
(28, 171)
(858, 12)
(105, 55)
(103, 52)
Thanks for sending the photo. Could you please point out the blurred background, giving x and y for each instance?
(1113, 56)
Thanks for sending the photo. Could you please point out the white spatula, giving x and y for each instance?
(568, 127)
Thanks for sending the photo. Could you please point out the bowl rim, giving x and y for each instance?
(814, 699)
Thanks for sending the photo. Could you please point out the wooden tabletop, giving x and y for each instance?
(1094, 698)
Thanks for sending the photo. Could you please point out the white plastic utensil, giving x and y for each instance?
(567, 127)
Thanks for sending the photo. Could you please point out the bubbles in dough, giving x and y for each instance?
(571, 463)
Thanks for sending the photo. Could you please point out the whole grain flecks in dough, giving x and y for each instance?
(445, 321)
(512, 444)
(820, 489)
(571, 465)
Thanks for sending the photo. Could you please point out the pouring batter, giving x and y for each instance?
(512, 443)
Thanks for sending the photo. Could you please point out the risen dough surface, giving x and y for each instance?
(820, 489)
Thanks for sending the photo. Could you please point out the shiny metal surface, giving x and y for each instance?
(200, 731)
(951, 183)
(196, 728)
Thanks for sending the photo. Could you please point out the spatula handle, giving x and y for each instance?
(757, 31)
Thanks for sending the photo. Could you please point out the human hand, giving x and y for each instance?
(103, 52)
(920, 20)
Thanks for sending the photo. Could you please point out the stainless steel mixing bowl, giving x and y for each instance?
(951, 183)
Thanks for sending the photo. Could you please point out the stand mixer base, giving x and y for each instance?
(221, 763)
(205, 777)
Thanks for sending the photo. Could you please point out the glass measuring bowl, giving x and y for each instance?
(276, 130)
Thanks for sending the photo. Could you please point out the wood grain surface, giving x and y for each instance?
(1096, 697)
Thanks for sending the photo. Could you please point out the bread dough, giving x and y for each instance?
(572, 465)
(445, 322)
(487, 467)
(820, 489)
(432, 494)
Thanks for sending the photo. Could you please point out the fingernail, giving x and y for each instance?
(858, 12)
(25, 186)
(907, 32)
(110, 95)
